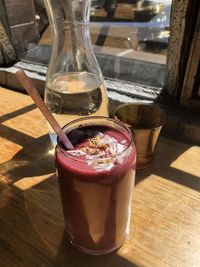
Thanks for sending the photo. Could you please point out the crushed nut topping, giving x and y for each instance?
(100, 150)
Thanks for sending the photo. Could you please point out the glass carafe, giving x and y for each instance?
(74, 86)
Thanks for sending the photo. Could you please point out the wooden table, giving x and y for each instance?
(165, 225)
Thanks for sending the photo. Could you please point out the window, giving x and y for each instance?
(130, 39)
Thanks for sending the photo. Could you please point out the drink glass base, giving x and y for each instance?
(95, 252)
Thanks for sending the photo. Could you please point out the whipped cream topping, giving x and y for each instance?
(100, 151)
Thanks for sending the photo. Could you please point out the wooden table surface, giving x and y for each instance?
(165, 224)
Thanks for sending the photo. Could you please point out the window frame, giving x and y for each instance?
(191, 85)
(183, 52)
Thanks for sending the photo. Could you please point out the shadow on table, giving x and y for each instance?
(32, 220)
(32, 223)
(69, 256)
(167, 153)
(32, 160)
(29, 228)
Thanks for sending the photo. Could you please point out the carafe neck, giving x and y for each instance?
(71, 12)
(71, 49)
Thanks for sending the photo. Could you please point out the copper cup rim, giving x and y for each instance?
(158, 126)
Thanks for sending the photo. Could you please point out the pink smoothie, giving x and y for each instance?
(96, 181)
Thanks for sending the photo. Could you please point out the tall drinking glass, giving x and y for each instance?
(96, 182)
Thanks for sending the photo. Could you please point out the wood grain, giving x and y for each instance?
(191, 79)
(183, 19)
(20, 19)
(165, 220)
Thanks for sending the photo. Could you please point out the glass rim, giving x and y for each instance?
(88, 118)
(152, 106)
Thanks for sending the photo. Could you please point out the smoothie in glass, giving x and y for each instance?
(96, 182)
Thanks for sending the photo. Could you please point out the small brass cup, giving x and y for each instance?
(145, 122)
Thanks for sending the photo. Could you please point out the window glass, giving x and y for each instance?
(130, 38)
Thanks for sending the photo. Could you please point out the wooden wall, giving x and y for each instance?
(21, 21)
(183, 29)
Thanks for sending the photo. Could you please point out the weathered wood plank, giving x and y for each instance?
(21, 21)
(183, 19)
(22, 35)
(19, 12)
(7, 52)
(192, 78)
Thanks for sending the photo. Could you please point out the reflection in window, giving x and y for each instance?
(130, 38)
